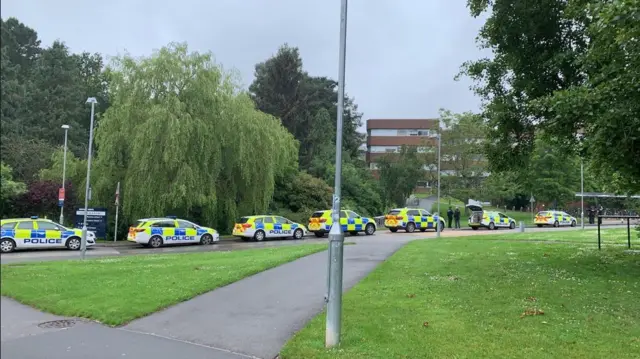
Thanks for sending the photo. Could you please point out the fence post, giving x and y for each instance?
(521, 226)
(628, 232)
(599, 247)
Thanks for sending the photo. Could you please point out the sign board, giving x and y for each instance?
(532, 200)
(61, 197)
(96, 221)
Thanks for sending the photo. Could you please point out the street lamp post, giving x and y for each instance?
(581, 138)
(336, 235)
(438, 229)
(64, 170)
(83, 246)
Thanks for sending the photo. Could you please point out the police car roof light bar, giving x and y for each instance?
(34, 217)
(172, 217)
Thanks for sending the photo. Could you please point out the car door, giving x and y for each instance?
(166, 229)
(282, 227)
(269, 226)
(187, 229)
(504, 220)
(426, 219)
(344, 221)
(51, 232)
(354, 222)
(26, 235)
(413, 215)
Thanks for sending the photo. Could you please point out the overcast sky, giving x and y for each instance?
(402, 55)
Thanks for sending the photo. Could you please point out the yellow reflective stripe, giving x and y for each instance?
(53, 234)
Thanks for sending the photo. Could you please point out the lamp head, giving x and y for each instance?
(66, 127)
(92, 100)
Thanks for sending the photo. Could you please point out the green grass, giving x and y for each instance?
(616, 236)
(117, 290)
(445, 203)
(465, 298)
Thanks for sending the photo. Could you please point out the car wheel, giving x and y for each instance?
(410, 227)
(259, 236)
(443, 227)
(369, 229)
(492, 226)
(298, 234)
(512, 225)
(7, 245)
(206, 239)
(74, 243)
(394, 230)
(319, 234)
(573, 223)
(155, 242)
(556, 224)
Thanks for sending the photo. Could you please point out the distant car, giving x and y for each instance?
(489, 219)
(410, 219)
(351, 222)
(262, 227)
(555, 219)
(156, 232)
(21, 233)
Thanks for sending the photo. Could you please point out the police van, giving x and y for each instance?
(156, 232)
(34, 232)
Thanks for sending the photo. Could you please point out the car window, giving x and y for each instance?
(317, 214)
(394, 212)
(268, 219)
(343, 214)
(164, 224)
(257, 220)
(352, 214)
(502, 215)
(25, 225)
(543, 214)
(185, 224)
(47, 226)
(413, 212)
(9, 225)
(282, 220)
(424, 212)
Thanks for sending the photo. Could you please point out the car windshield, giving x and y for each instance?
(139, 223)
(543, 214)
(243, 220)
(317, 214)
(394, 212)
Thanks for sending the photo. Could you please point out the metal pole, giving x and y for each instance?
(64, 170)
(438, 229)
(115, 229)
(628, 233)
(83, 245)
(582, 193)
(336, 235)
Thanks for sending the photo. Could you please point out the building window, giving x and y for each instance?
(403, 132)
(383, 132)
(384, 149)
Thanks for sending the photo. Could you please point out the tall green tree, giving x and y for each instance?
(183, 138)
(283, 89)
(560, 66)
(399, 173)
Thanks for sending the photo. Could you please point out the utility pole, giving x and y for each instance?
(336, 235)
(115, 229)
(64, 172)
(438, 229)
(83, 245)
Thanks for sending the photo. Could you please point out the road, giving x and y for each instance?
(129, 248)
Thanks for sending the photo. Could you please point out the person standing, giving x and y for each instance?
(450, 216)
(456, 217)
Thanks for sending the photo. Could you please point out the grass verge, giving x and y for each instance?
(479, 298)
(609, 236)
(117, 290)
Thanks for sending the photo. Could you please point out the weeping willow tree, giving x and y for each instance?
(184, 139)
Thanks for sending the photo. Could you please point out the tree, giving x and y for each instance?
(462, 153)
(283, 89)
(183, 138)
(560, 66)
(399, 174)
(10, 188)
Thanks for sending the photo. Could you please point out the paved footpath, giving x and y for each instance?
(252, 318)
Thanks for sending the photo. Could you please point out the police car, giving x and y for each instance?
(321, 221)
(410, 219)
(21, 233)
(261, 227)
(155, 232)
(555, 219)
(489, 219)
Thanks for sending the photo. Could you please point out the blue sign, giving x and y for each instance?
(96, 221)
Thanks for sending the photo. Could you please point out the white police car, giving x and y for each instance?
(20, 233)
